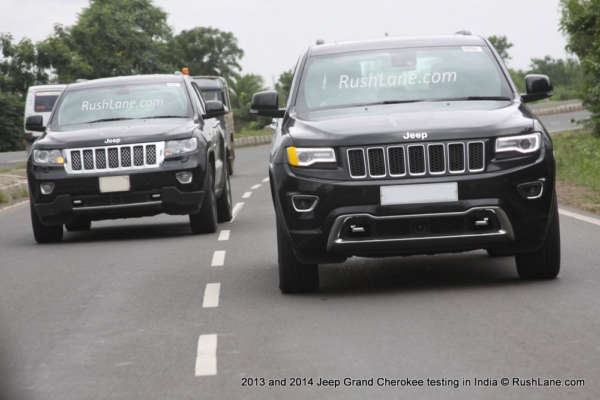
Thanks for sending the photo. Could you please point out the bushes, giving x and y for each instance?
(11, 121)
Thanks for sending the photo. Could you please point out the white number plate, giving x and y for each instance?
(418, 193)
(110, 184)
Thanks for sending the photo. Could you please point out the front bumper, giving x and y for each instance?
(516, 224)
(152, 192)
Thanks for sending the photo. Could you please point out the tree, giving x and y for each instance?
(110, 38)
(19, 65)
(242, 90)
(502, 45)
(580, 20)
(11, 121)
(207, 51)
(284, 85)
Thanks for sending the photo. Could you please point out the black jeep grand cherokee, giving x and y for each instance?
(410, 146)
(128, 147)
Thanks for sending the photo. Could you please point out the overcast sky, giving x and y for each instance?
(273, 33)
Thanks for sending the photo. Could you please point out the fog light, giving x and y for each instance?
(47, 187)
(531, 190)
(304, 202)
(184, 177)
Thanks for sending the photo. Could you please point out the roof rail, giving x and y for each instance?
(463, 32)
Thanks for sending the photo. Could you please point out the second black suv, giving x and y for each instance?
(410, 146)
(128, 147)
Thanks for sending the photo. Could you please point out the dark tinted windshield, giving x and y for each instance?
(213, 95)
(390, 75)
(44, 102)
(135, 101)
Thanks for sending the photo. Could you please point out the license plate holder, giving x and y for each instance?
(420, 193)
(111, 184)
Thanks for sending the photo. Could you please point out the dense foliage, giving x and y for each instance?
(581, 22)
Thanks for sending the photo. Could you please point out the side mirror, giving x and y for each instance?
(266, 103)
(537, 87)
(35, 123)
(214, 108)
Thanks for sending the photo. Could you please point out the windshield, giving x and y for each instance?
(112, 103)
(213, 95)
(401, 75)
(45, 101)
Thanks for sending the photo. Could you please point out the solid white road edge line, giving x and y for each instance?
(246, 195)
(224, 235)
(236, 210)
(14, 205)
(211, 295)
(218, 258)
(266, 179)
(255, 186)
(206, 356)
(580, 217)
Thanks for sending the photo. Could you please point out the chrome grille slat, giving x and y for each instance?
(115, 158)
(416, 159)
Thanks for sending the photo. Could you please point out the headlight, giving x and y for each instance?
(179, 147)
(303, 157)
(48, 157)
(529, 143)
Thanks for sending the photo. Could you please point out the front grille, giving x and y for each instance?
(376, 162)
(419, 159)
(115, 158)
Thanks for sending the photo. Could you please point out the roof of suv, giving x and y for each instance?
(123, 80)
(397, 42)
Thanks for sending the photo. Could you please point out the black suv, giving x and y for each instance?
(128, 147)
(216, 88)
(410, 146)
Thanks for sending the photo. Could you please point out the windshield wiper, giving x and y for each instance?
(163, 116)
(108, 119)
(474, 98)
(375, 103)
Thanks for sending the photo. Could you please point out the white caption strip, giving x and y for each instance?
(218, 259)
(224, 235)
(246, 195)
(206, 356)
(211, 295)
(580, 217)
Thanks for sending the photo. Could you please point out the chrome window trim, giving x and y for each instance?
(364, 163)
(404, 160)
(384, 162)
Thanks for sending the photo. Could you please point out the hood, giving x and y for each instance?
(133, 131)
(390, 123)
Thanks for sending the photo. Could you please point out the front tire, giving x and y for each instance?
(43, 233)
(294, 277)
(224, 204)
(545, 262)
(205, 221)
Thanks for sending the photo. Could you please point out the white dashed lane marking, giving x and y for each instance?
(236, 210)
(266, 179)
(255, 186)
(246, 195)
(224, 234)
(218, 259)
(206, 356)
(581, 217)
(211, 295)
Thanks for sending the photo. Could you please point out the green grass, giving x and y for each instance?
(3, 197)
(18, 166)
(245, 132)
(578, 160)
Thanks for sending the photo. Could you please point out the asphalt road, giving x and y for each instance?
(133, 309)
